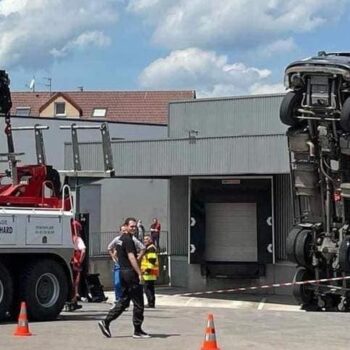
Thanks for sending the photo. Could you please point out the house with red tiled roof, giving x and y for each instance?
(145, 107)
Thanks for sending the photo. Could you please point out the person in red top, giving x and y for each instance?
(155, 232)
(77, 261)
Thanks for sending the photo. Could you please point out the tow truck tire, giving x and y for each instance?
(289, 105)
(290, 243)
(303, 255)
(345, 116)
(44, 287)
(303, 293)
(344, 255)
(6, 291)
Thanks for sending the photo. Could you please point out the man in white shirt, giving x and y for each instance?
(77, 261)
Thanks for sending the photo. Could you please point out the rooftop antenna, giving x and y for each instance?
(81, 88)
(49, 83)
(31, 85)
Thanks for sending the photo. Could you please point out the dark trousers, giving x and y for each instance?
(155, 239)
(131, 290)
(148, 288)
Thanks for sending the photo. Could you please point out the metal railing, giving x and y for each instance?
(100, 240)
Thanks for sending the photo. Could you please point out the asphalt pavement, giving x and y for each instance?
(254, 322)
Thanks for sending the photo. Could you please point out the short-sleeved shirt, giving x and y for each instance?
(79, 244)
(113, 244)
(125, 246)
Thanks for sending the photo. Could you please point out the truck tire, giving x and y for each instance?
(288, 108)
(303, 242)
(6, 291)
(345, 116)
(304, 295)
(44, 286)
(344, 255)
(290, 243)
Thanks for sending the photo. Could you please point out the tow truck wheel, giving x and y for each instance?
(6, 291)
(345, 116)
(303, 293)
(289, 105)
(44, 287)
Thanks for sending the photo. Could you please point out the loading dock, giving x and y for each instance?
(226, 163)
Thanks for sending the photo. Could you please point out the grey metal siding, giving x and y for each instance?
(178, 213)
(200, 156)
(91, 156)
(283, 214)
(226, 117)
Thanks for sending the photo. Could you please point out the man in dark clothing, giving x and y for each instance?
(131, 279)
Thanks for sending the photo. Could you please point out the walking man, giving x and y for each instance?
(150, 270)
(131, 279)
(112, 250)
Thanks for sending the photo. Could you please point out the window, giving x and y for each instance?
(60, 109)
(99, 112)
(23, 111)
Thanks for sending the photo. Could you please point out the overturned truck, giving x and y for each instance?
(317, 111)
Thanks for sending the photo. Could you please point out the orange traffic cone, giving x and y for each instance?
(210, 337)
(22, 327)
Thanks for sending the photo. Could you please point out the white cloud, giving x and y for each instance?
(236, 23)
(278, 46)
(258, 88)
(35, 32)
(205, 71)
(84, 40)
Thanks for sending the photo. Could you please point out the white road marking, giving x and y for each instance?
(261, 304)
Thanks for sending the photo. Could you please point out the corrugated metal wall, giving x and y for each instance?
(200, 156)
(178, 215)
(90, 153)
(283, 214)
(250, 115)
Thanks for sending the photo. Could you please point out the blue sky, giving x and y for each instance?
(216, 47)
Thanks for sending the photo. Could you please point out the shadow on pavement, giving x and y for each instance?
(163, 336)
(232, 296)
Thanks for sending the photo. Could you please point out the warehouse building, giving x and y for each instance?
(229, 206)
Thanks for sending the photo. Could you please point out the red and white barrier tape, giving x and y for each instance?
(267, 286)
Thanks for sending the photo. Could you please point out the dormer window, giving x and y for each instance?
(22, 111)
(99, 112)
(60, 109)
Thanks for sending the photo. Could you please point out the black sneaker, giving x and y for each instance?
(141, 334)
(104, 329)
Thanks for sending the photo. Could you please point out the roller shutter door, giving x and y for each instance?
(231, 232)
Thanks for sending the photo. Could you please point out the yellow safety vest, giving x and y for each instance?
(150, 264)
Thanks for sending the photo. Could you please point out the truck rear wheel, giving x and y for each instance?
(304, 293)
(44, 287)
(303, 252)
(6, 291)
(344, 255)
(290, 243)
(345, 116)
(288, 109)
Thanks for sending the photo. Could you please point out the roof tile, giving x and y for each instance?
(149, 107)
